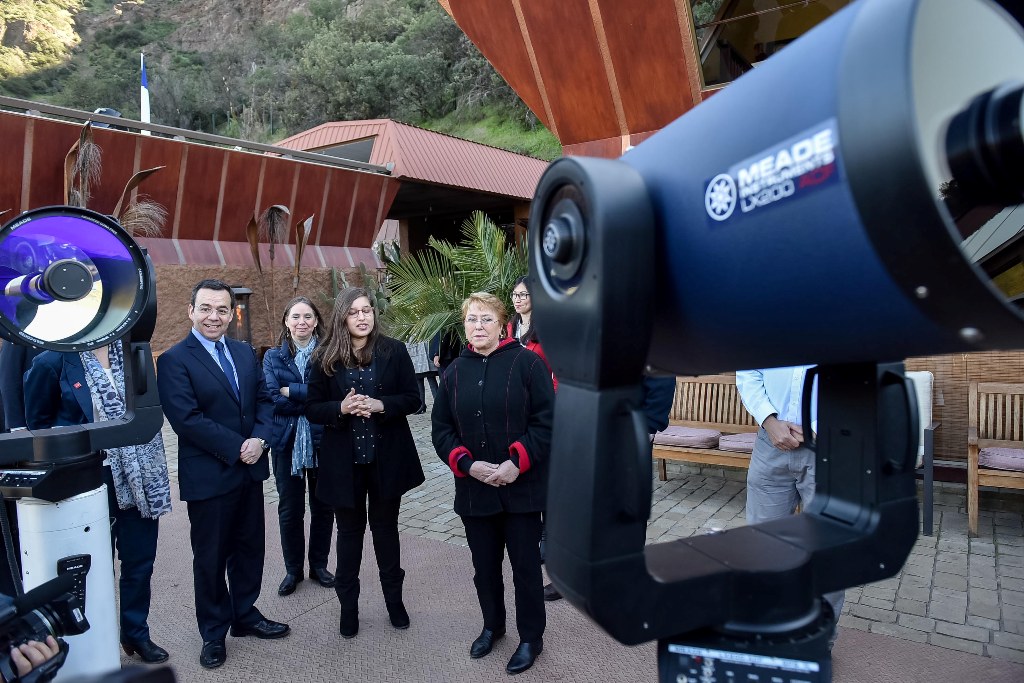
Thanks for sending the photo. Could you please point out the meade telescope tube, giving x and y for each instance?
(849, 203)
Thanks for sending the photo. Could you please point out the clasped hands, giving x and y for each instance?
(786, 436)
(251, 451)
(495, 475)
(360, 405)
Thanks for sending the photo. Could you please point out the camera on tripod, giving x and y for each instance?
(51, 609)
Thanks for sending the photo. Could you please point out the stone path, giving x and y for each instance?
(954, 592)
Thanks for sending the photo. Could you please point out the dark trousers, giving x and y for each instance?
(133, 539)
(291, 513)
(227, 534)
(382, 515)
(431, 378)
(488, 538)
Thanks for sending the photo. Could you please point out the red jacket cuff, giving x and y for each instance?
(520, 458)
(454, 457)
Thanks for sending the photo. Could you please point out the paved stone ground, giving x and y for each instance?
(956, 593)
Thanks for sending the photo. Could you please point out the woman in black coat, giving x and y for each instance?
(361, 389)
(492, 426)
(294, 446)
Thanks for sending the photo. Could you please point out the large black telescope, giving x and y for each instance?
(848, 204)
(73, 280)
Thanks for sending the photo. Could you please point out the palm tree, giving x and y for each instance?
(428, 287)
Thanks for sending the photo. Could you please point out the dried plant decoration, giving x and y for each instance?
(302, 231)
(144, 218)
(135, 181)
(252, 235)
(274, 227)
(82, 166)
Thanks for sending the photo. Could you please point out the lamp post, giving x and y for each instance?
(241, 323)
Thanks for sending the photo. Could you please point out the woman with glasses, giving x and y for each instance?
(294, 447)
(361, 389)
(521, 326)
(492, 427)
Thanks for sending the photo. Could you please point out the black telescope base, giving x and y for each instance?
(727, 656)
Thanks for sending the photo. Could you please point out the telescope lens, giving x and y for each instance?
(69, 279)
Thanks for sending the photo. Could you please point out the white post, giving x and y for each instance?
(79, 525)
(144, 94)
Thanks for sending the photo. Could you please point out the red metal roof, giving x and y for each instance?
(426, 156)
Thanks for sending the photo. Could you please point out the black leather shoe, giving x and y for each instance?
(399, 615)
(322, 576)
(148, 651)
(481, 647)
(287, 586)
(264, 628)
(348, 626)
(213, 655)
(551, 593)
(524, 657)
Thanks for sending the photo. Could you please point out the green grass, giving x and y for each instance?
(499, 131)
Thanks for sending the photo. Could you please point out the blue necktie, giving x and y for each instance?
(225, 365)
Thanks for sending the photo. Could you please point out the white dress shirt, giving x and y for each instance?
(776, 391)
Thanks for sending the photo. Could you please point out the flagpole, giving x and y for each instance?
(144, 94)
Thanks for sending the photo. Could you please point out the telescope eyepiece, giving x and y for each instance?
(557, 239)
(985, 146)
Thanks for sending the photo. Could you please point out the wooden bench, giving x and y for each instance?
(995, 419)
(707, 402)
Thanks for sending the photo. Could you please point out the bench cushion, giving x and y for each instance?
(737, 443)
(687, 437)
(1002, 459)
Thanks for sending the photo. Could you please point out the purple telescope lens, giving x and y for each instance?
(70, 279)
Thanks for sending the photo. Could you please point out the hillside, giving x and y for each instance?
(264, 69)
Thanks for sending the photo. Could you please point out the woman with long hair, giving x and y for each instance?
(294, 447)
(492, 427)
(361, 389)
(521, 325)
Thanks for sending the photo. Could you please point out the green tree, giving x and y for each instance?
(429, 286)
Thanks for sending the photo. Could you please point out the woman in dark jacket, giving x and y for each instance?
(492, 426)
(294, 445)
(70, 388)
(361, 389)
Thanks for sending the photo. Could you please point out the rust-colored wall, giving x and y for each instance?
(210, 193)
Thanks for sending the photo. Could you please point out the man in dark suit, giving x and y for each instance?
(215, 397)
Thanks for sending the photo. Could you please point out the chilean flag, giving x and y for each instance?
(144, 104)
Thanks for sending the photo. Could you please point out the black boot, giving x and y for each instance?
(348, 598)
(348, 626)
(391, 586)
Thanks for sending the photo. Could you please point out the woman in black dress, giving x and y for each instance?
(361, 389)
(492, 426)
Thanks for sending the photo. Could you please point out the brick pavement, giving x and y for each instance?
(959, 594)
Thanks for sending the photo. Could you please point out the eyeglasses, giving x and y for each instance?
(366, 311)
(486, 321)
(520, 295)
(222, 311)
